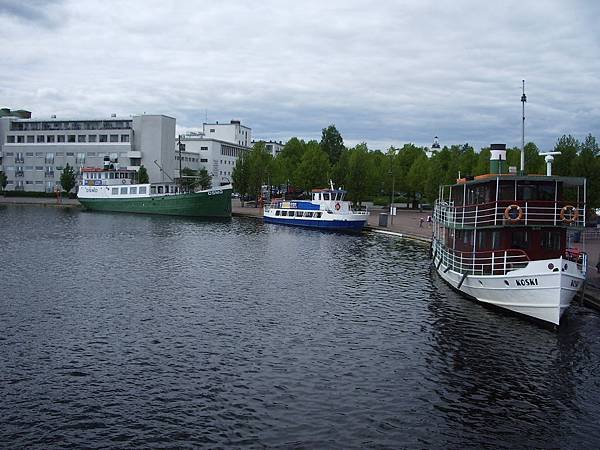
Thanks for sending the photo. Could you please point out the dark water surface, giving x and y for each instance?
(140, 331)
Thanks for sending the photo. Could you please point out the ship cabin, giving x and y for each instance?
(96, 176)
(523, 216)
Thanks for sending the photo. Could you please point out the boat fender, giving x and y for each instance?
(569, 214)
(462, 280)
(337, 206)
(509, 213)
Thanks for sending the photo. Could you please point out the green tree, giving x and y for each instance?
(313, 169)
(195, 179)
(259, 162)
(568, 146)
(3, 180)
(67, 178)
(143, 175)
(240, 176)
(359, 170)
(587, 164)
(332, 143)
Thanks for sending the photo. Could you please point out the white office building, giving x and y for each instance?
(33, 151)
(216, 148)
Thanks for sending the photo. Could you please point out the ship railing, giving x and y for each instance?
(493, 262)
(577, 256)
(507, 212)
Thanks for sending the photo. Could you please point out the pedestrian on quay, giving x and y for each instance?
(429, 221)
(421, 222)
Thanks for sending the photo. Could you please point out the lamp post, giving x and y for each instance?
(391, 173)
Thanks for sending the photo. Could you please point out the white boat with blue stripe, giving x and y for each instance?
(326, 210)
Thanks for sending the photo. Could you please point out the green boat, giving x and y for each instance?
(113, 190)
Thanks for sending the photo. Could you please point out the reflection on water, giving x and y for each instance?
(144, 331)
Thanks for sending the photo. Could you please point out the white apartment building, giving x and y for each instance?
(216, 148)
(273, 147)
(33, 151)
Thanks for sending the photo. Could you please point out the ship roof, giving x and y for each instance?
(575, 181)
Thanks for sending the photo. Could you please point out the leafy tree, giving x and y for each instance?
(67, 178)
(332, 143)
(143, 175)
(3, 180)
(357, 180)
(195, 179)
(259, 162)
(240, 176)
(587, 164)
(568, 146)
(534, 163)
(313, 169)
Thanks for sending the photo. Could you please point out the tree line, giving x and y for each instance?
(372, 175)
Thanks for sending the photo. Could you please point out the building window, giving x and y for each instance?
(92, 138)
(50, 139)
(114, 138)
(40, 138)
(60, 154)
(70, 154)
(203, 160)
(39, 168)
(103, 138)
(10, 139)
(124, 138)
(81, 138)
(60, 138)
(71, 138)
(30, 139)
(203, 148)
(20, 139)
(29, 154)
(91, 154)
(80, 159)
(212, 130)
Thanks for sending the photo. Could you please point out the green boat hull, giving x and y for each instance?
(199, 204)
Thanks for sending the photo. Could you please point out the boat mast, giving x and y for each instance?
(523, 100)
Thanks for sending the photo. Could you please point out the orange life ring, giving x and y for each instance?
(573, 216)
(337, 206)
(509, 209)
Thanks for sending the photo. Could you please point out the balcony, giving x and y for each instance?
(511, 212)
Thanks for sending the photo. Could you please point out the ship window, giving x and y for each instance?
(115, 191)
(507, 190)
(520, 239)
(143, 190)
(550, 240)
(496, 243)
(123, 190)
(112, 176)
(133, 190)
(152, 190)
(160, 189)
(326, 196)
(277, 212)
(284, 213)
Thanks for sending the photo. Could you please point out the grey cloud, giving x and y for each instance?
(41, 12)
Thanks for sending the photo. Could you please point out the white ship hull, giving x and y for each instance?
(535, 290)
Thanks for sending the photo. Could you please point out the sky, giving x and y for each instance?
(385, 73)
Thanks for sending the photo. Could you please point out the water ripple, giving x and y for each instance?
(138, 331)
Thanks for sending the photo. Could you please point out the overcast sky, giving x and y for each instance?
(384, 72)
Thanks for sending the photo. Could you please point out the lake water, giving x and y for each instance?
(142, 331)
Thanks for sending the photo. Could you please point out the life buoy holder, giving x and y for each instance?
(123, 181)
(509, 213)
(337, 206)
(572, 213)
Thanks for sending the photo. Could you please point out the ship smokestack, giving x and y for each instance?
(498, 158)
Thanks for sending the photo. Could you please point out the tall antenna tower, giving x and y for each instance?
(523, 100)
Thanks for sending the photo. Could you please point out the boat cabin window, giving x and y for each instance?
(520, 239)
(123, 190)
(488, 240)
(277, 212)
(115, 191)
(507, 190)
(152, 190)
(284, 213)
(550, 240)
(325, 195)
(133, 190)
(160, 189)
(527, 190)
(111, 176)
(142, 189)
